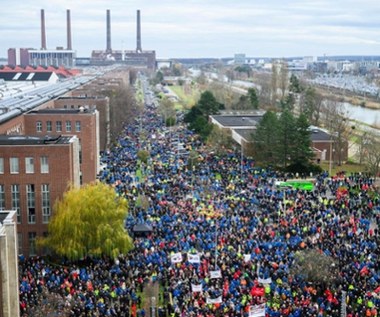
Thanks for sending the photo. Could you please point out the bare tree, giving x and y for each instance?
(315, 267)
(336, 120)
(283, 80)
(219, 140)
(372, 153)
(274, 83)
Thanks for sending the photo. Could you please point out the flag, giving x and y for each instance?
(257, 311)
(215, 274)
(265, 280)
(194, 258)
(196, 288)
(176, 257)
(247, 257)
(217, 300)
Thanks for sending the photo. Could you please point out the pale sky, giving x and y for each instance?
(199, 28)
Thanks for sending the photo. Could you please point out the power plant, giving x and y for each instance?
(66, 56)
(136, 58)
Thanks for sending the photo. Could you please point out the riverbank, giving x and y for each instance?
(344, 96)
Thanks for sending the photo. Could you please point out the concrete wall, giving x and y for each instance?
(9, 267)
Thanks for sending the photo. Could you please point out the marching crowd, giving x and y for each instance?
(224, 237)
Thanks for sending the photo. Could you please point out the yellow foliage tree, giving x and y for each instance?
(89, 221)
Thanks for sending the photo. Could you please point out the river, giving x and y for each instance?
(365, 115)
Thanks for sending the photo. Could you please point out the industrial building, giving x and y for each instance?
(44, 56)
(137, 58)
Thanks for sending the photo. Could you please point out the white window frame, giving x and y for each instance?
(58, 126)
(14, 165)
(29, 165)
(39, 126)
(78, 126)
(68, 126)
(49, 126)
(31, 203)
(44, 164)
(45, 203)
(16, 204)
(1, 165)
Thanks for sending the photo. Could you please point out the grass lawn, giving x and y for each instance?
(189, 98)
(348, 168)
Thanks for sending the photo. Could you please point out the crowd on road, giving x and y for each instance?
(223, 239)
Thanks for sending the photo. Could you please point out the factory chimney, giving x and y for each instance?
(69, 46)
(109, 49)
(138, 47)
(43, 32)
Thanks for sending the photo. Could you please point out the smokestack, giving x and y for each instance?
(138, 47)
(109, 49)
(69, 47)
(43, 32)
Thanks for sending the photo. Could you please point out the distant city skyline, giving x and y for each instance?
(199, 28)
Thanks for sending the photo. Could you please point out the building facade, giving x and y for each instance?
(35, 172)
(82, 122)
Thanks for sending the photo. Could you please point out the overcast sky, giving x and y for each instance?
(200, 28)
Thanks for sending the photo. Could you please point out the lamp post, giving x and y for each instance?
(330, 159)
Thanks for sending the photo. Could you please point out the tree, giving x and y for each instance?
(283, 77)
(287, 146)
(167, 109)
(219, 140)
(274, 83)
(303, 153)
(89, 221)
(295, 85)
(253, 99)
(266, 139)
(143, 156)
(372, 154)
(311, 105)
(208, 104)
(315, 267)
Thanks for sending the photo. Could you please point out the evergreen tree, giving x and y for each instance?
(253, 99)
(208, 104)
(266, 139)
(304, 152)
(287, 138)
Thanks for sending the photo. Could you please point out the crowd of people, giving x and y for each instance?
(223, 237)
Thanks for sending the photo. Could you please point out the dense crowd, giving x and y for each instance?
(224, 237)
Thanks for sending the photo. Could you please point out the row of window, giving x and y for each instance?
(14, 165)
(58, 126)
(30, 202)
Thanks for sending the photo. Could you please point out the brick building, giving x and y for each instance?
(100, 103)
(82, 122)
(35, 171)
(9, 295)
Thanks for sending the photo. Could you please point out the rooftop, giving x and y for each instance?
(34, 140)
(63, 111)
(237, 120)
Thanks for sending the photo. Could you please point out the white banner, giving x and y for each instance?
(265, 280)
(194, 258)
(176, 257)
(247, 257)
(257, 311)
(217, 300)
(196, 288)
(215, 274)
